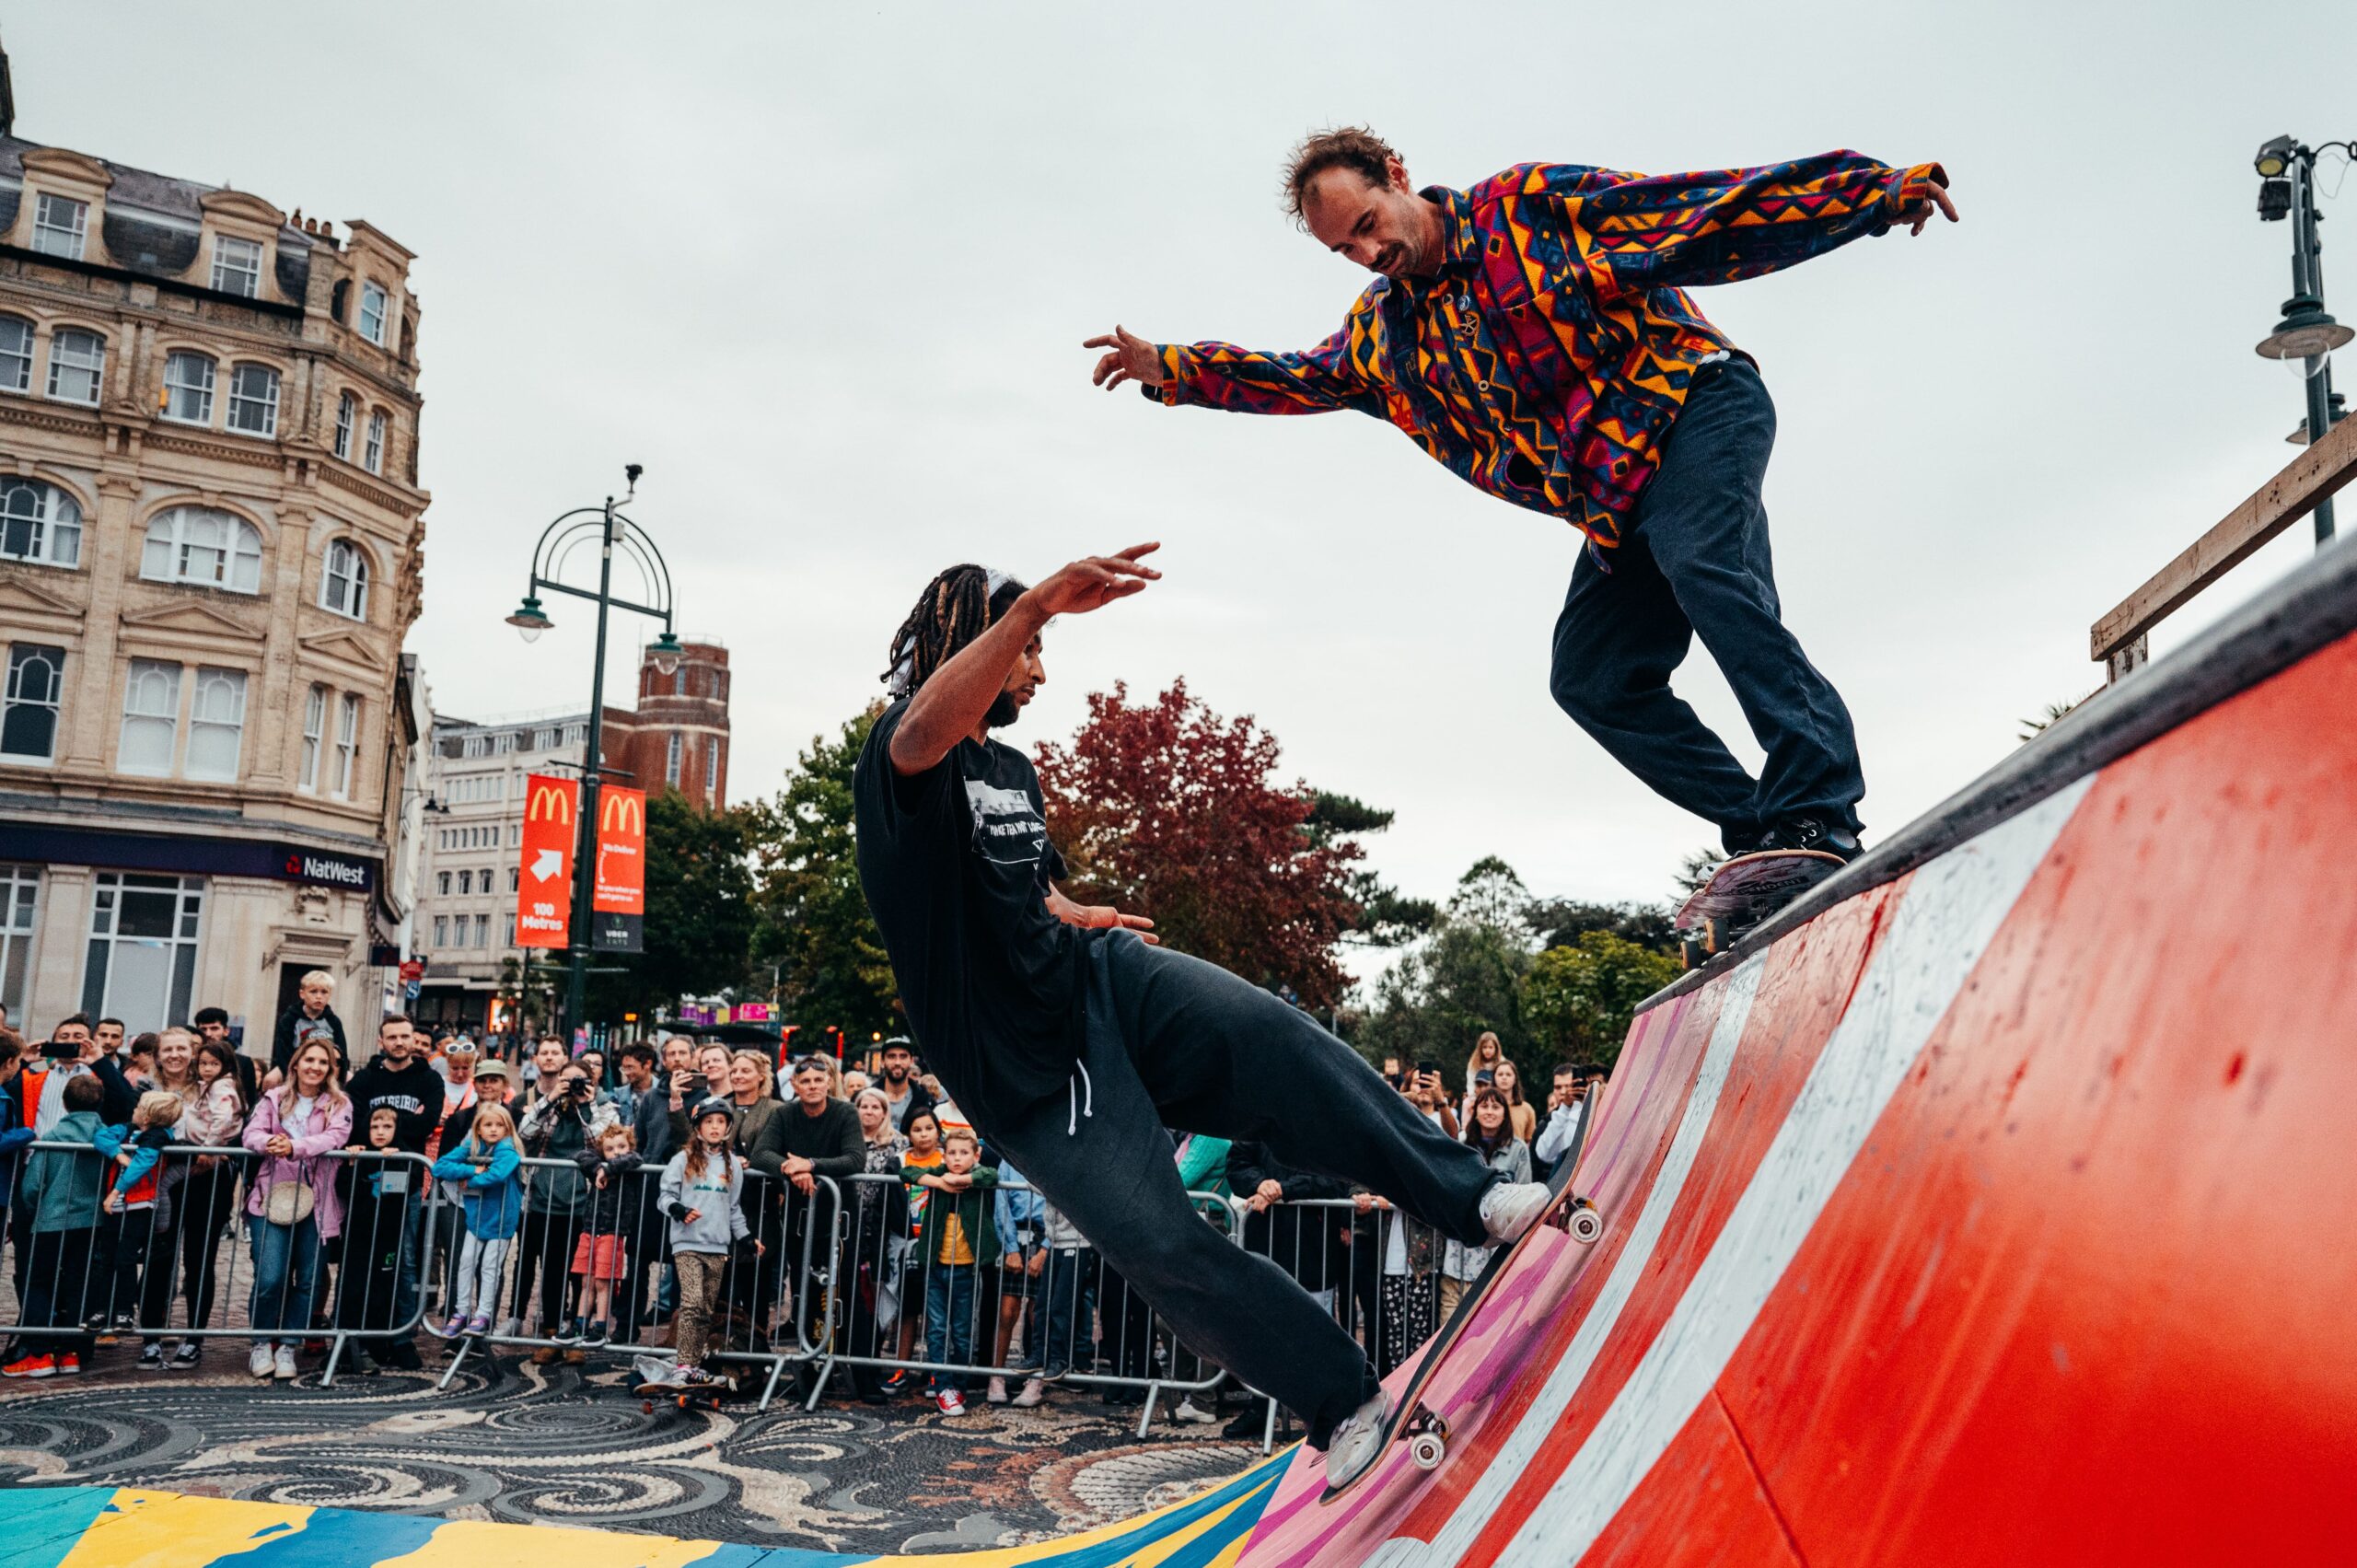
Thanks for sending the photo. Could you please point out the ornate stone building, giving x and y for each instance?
(210, 526)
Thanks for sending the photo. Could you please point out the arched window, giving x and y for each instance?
(78, 365)
(347, 412)
(373, 457)
(314, 724)
(197, 544)
(344, 587)
(16, 354)
(673, 755)
(39, 522)
(188, 388)
(373, 302)
(253, 399)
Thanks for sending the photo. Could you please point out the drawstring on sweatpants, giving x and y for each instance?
(1081, 1097)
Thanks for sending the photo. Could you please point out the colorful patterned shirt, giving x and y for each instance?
(1547, 358)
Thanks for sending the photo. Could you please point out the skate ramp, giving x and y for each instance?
(1996, 1205)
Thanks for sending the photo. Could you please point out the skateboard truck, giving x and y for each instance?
(1427, 1438)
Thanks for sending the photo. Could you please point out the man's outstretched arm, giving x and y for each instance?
(1332, 375)
(1721, 225)
(952, 704)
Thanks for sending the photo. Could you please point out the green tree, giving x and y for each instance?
(1561, 921)
(699, 919)
(1465, 978)
(1578, 999)
(813, 919)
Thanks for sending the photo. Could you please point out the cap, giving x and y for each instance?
(491, 1067)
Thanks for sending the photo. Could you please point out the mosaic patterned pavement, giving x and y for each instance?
(553, 1446)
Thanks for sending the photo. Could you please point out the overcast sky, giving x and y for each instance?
(824, 269)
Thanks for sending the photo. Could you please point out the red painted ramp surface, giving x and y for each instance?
(2004, 1212)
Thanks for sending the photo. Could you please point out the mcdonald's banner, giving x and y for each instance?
(619, 894)
(544, 883)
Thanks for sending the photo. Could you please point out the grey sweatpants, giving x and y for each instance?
(1173, 1041)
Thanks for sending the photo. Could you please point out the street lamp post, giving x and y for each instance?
(614, 531)
(2287, 181)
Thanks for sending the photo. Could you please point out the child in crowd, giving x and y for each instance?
(922, 1131)
(377, 1195)
(1064, 1296)
(489, 1165)
(1011, 1287)
(701, 1189)
(138, 1214)
(61, 1191)
(957, 1233)
(601, 1256)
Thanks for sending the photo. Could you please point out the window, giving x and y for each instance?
(16, 353)
(236, 265)
(372, 313)
(28, 718)
(253, 399)
(482, 880)
(315, 726)
(151, 717)
(60, 223)
(187, 388)
(504, 743)
(347, 409)
(20, 897)
(345, 588)
(441, 931)
(442, 884)
(466, 883)
(576, 734)
(372, 456)
(543, 740)
(347, 745)
(77, 364)
(483, 930)
(711, 766)
(512, 878)
(142, 949)
(197, 544)
(39, 522)
(515, 835)
(511, 931)
(475, 746)
(671, 760)
(217, 720)
(679, 683)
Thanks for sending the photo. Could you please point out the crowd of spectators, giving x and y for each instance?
(664, 1200)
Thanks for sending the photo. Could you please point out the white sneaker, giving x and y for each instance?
(1510, 1208)
(1358, 1442)
(1188, 1410)
(1034, 1390)
(997, 1395)
(284, 1369)
(259, 1362)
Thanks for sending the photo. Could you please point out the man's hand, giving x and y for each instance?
(1271, 1190)
(796, 1165)
(1128, 357)
(1100, 917)
(1093, 581)
(805, 1183)
(1915, 215)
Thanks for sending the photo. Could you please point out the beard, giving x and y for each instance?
(893, 1074)
(1004, 711)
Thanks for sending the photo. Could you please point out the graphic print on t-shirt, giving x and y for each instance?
(1007, 827)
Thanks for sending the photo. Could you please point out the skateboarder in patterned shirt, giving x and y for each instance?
(1533, 334)
(1072, 1041)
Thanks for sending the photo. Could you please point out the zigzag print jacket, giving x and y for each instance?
(1547, 359)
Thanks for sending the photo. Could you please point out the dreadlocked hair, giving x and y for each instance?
(956, 607)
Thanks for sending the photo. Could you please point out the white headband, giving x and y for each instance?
(904, 673)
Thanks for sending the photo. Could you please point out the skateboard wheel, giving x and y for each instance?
(646, 1407)
(1428, 1450)
(1586, 1224)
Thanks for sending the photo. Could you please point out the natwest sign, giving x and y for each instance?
(299, 865)
(544, 879)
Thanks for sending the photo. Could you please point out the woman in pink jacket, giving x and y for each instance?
(291, 1204)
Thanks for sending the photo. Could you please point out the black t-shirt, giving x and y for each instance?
(415, 1093)
(956, 864)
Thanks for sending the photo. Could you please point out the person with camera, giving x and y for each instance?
(562, 1117)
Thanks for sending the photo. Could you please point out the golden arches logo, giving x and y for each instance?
(551, 801)
(624, 813)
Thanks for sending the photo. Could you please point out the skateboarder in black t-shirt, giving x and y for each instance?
(1072, 1041)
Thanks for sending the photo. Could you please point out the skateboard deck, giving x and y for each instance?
(1426, 1430)
(1745, 890)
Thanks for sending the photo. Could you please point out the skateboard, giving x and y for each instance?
(653, 1388)
(1424, 1430)
(1742, 893)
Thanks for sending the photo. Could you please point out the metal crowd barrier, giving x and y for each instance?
(152, 1266)
(762, 1316)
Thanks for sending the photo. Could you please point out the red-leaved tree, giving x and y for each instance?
(1166, 809)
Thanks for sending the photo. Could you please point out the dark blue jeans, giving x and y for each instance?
(286, 1272)
(1048, 1339)
(949, 1320)
(1694, 562)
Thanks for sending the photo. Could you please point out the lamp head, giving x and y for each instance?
(2274, 160)
(530, 619)
(2304, 333)
(664, 652)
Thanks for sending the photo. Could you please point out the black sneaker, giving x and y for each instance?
(1249, 1427)
(1811, 833)
(191, 1351)
(151, 1356)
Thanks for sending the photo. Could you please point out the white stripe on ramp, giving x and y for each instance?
(1942, 926)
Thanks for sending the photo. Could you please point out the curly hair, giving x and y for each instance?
(956, 607)
(1353, 148)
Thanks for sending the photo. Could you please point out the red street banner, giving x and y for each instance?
(619, 894)
(544, 882)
